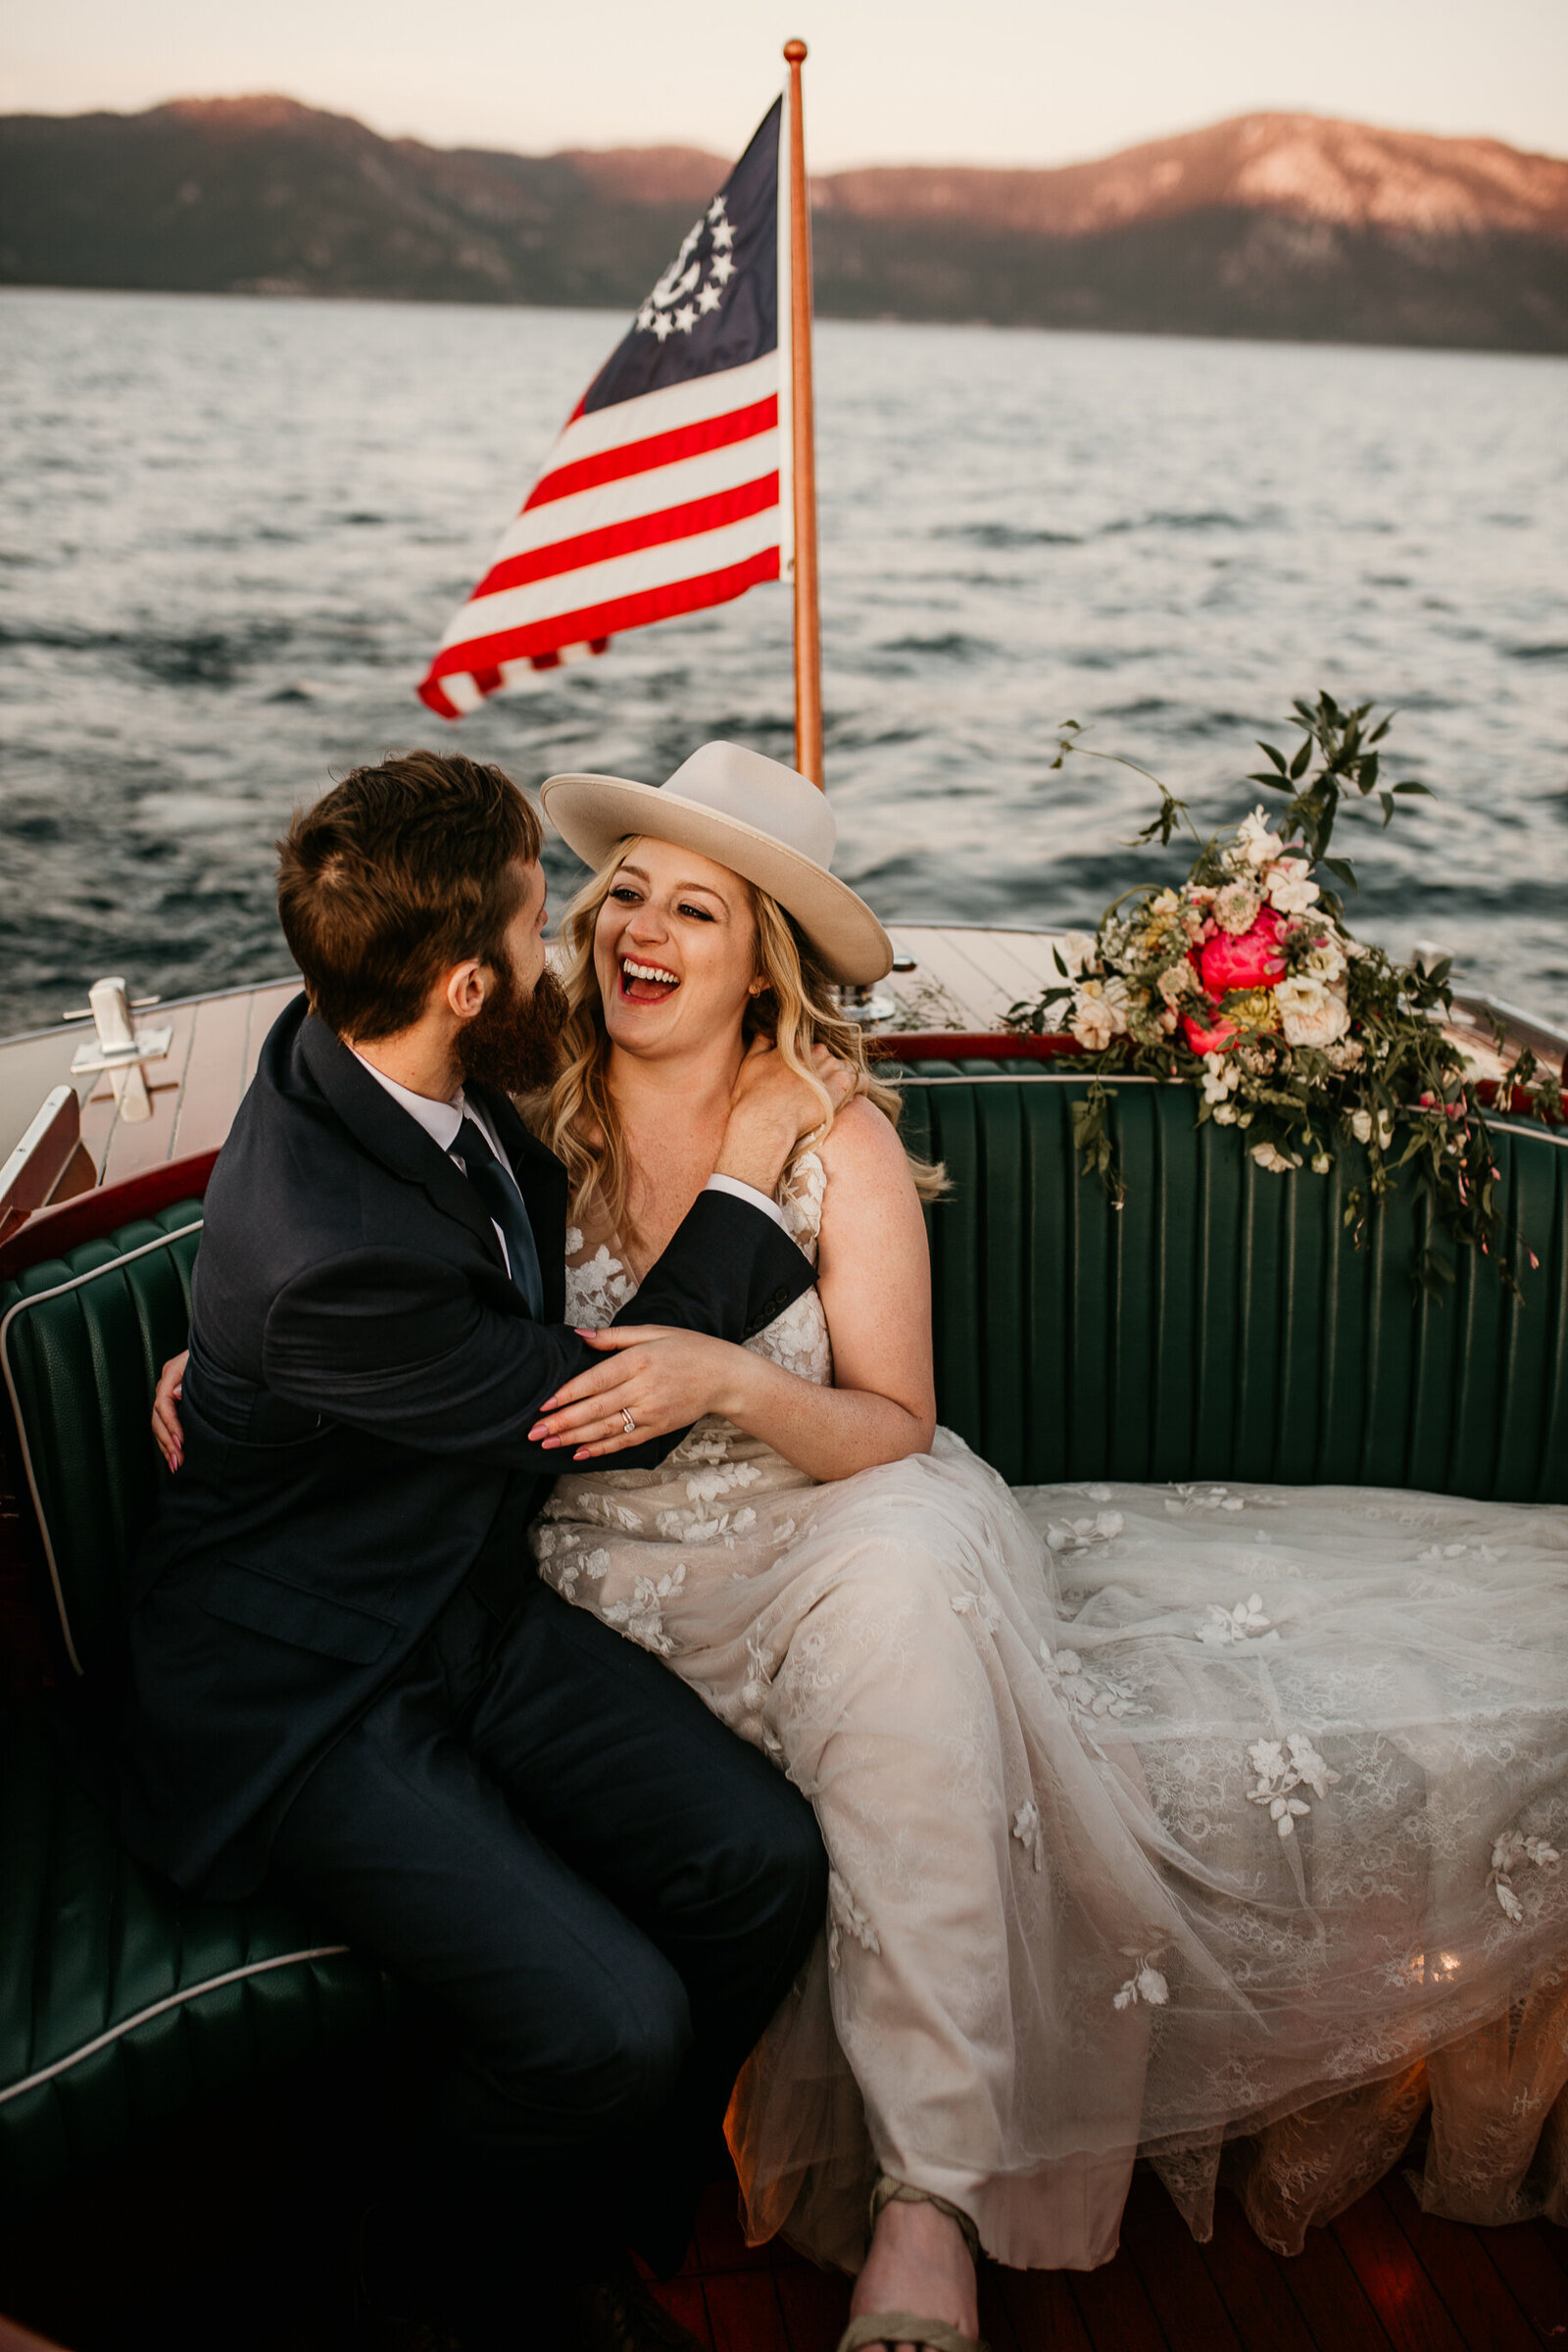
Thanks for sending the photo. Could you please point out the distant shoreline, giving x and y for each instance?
(614, 312)
(1271, 227)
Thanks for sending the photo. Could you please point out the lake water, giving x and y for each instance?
(233, 529)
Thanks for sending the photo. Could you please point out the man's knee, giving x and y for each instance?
(616, 2050)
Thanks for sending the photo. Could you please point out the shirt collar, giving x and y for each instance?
(440, 1120)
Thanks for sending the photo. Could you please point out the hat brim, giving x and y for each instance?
(594, 814)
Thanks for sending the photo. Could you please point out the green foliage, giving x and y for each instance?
(1310, 1041)
(1348, 760)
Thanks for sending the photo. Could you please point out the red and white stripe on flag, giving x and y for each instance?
(662, 494)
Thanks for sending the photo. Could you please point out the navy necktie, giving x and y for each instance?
(497, 1188)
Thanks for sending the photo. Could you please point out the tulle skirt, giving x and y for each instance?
(1216, 1825)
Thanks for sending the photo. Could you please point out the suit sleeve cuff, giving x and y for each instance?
(748, 1192)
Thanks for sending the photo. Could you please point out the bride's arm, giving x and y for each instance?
(875, 1277)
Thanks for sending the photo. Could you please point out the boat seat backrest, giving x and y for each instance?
(83, 1338)
(1226, 1323)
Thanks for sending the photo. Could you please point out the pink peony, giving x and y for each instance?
(1211, 1039)
(1252, 961)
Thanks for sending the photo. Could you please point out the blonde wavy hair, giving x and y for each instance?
(578, 1116)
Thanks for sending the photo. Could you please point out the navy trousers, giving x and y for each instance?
(598, 1896)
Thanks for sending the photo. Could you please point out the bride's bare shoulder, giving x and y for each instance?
(861, 1150)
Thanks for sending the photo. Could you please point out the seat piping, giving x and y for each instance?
(173, 2000)
(24, 1307)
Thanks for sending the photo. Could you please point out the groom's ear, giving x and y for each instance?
(465, 988)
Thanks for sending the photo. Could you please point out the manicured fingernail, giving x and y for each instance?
(551, 1444)
(582, 1453)
(550, 1404)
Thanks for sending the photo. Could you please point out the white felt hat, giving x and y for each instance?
(753, 814)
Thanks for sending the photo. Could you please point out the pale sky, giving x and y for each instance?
(998, 82)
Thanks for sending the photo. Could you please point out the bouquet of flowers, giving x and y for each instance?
(1244, 981)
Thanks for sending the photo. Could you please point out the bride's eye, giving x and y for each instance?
(701, 913)
(624, 892)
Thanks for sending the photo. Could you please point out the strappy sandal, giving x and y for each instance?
(889, 2328)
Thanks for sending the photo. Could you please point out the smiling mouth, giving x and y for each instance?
(646, 983)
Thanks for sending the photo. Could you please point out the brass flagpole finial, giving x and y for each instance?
(802, 434)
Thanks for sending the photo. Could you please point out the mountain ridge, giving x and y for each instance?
(1269, 223)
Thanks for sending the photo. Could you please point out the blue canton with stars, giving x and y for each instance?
(716, 305)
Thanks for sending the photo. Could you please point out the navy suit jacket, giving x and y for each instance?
(362, 1377)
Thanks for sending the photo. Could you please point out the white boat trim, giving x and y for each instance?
(172, 2000)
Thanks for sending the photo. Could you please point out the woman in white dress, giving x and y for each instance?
(1220, 1824)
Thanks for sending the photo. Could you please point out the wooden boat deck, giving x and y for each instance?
(1383, 2278)
(964, 983)
(245, 2247)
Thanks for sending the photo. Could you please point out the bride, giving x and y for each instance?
(1158, 1818)
(1216, 1825)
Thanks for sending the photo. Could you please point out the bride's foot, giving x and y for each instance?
(918, 2261)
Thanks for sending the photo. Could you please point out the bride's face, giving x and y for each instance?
(675, 951)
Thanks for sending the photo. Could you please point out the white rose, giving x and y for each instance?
(1324, 959)
(1308, 1013)
(1257, 843)
(1075, 950)
(1361, 1126)
(1277, 1163)
(1288, 887)
(1220, 1077)
(1096, 1017)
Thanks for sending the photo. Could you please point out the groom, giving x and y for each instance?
(345, 1675)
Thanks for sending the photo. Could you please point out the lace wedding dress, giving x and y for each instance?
(1219, 1824)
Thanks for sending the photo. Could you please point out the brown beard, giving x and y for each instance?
(513, 1042)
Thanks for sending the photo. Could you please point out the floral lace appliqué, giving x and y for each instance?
(1069, 1535)
(642, 1617)
(1246, 1624)
(1086, 1694)
(1145, 1984)
(1511, 1851)
(982, 1605)
(1026, 1828)
(1281, 1775)
(1214, 1498)
(597, 1289)
(846, 1917)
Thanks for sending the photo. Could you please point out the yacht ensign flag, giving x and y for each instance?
(664, 492)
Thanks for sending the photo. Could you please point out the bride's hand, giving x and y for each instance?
(664, 1378)
(167, 1435)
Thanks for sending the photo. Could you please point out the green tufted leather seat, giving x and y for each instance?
(123, 2004)
(1223, 1325)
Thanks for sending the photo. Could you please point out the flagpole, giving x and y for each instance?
(803, 468)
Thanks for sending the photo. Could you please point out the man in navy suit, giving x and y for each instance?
(345, 1675)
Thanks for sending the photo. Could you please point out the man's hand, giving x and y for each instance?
(772, 1108)
(664, 1378)
(168, 1436)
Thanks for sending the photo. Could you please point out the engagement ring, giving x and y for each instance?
(628, 1422)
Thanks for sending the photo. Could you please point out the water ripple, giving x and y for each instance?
(233, 530)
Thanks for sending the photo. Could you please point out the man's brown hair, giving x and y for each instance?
(397, 873)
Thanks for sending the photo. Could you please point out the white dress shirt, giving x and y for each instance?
(441, 1121)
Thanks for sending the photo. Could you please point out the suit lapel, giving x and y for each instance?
(389, 1134)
